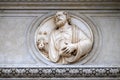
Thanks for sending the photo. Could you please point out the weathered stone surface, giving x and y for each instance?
(18, 53)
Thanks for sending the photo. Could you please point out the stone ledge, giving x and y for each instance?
(108, 72)
(55, 5)
(59, 0)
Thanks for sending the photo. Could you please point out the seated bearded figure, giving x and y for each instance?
(67, 42)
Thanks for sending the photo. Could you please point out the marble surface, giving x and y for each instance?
(18, 51)
(14, 29)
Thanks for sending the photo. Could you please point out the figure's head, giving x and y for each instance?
(61, 18)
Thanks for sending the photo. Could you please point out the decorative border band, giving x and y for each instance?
(67, 72)
(55, 0)
(59, 4)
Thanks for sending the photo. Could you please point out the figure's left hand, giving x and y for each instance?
(69, 48)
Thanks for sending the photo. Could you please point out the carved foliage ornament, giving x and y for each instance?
(63, 38)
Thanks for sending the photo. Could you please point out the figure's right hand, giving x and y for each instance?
(68, 49)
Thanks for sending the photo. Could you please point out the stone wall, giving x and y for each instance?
(20, 19)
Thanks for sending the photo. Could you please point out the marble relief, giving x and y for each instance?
(62, 39)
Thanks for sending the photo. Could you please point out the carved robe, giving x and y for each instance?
(74, 35)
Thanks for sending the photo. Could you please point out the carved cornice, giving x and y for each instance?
(59, 0)
(60, 4)
(60, 72)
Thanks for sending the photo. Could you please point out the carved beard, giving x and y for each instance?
(60, 23)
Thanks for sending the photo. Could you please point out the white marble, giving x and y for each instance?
(62, 41)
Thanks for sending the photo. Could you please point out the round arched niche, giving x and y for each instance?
(45, 25)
